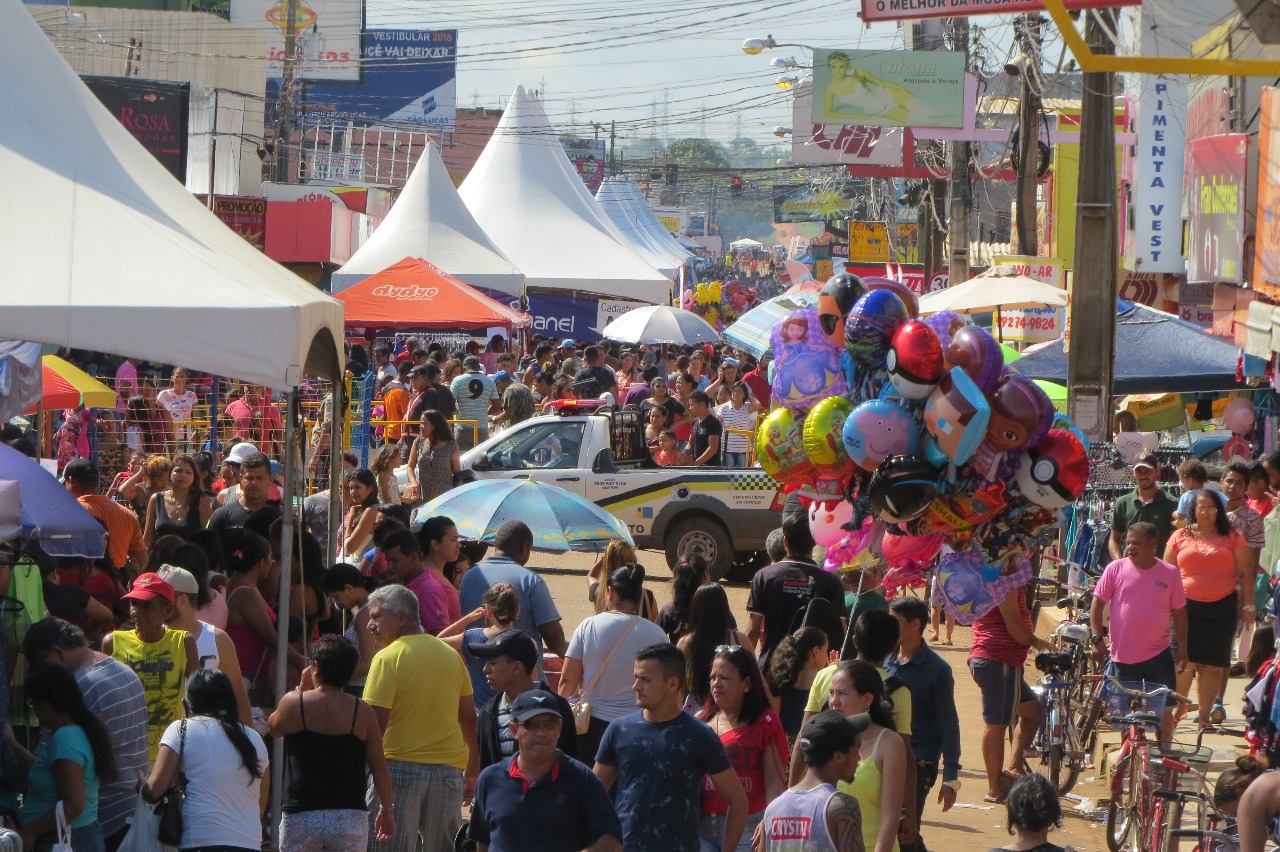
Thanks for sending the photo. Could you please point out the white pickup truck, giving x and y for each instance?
(721, 514)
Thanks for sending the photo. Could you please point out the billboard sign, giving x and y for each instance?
(1266, 254)
(340, 168)
(588, 159)
(327, 34)
(1157, 186)
(800, 203)
(888, 88)
(244, 214)
(911, 10)
(409, 79)
(1215, 200)
(155, 113)
(1034, 325)
(577, 315)
(869, 243)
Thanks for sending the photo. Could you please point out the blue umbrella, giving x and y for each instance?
(49, 513)
(751, 331)
(560, 520)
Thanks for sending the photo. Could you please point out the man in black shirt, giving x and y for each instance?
(783, 589)
(594, 381)
(428, 393)
(229, 519)
(704, 440)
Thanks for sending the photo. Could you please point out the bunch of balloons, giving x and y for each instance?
(719, 303)
(963, 464)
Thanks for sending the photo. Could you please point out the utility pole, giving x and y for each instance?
(613, 140)
(284, 107)
(961, 200)
(1092, 325)
(1028, 135)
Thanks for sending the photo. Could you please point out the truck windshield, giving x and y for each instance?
(550, 444)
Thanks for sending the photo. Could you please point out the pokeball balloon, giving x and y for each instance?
(875, 318)
(978, 354)
(902, 488)
(1054, 472)
(915, 360)
(1021, 414)
(877, 429)
(835, 300)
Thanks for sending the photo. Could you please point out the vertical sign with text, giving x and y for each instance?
(1033, 325)
(1157, 188)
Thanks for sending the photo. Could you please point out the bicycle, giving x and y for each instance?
(1058, 744)
(1133, 816)
(1209, 819)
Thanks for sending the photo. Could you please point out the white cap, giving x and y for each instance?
(240, 452)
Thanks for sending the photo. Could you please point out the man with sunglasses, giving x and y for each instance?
(540, 799)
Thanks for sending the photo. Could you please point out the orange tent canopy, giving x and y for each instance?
(415, 294)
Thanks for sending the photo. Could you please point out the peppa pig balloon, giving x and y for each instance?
(806, 366)
(823, 428)
(1055, 471)
(978, 354)
(1238, 416)
(875, 318)
(780, 448)
(956, 416)
(836, 298)
(915, 360)
(827, 519)
(877, 429)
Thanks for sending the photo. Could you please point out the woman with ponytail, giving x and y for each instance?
(1251, 794)
(1033, 811)
(68, 766)
(792, 667)
(225, 764)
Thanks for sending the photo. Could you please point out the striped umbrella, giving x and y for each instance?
(751, 331)
(560, 520)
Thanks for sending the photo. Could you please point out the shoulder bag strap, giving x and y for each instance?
(604, 665)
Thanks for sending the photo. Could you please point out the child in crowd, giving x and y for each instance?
(1259, 481)
(1192, 475)
(1033, 811)
(668, 452)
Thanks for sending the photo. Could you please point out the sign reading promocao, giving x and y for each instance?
(909, 10)
(155, 113)
(888, 88)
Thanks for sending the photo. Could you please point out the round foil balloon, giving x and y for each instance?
(1055, 471)
(827, 519)
(874, 320)
(915, 360)
(1238, 416)
(806, 366)
(823, 428)
(964, 592)
(780, 448)
(835, 300)
(1021, 414)
(903, 292)
(902, 488)
(903, 550)
(877, 429)
(978, 354)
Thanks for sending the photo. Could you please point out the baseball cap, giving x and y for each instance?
(239, 453)
(501, 376)
(420, 370)
(80, 470)
(535, 702)
(471, 362)
(150, 586)
(830, 732)
(730, 362)
(511, 643)
(1146, 460)
(182, 580)
(568, 343)
(708, 349)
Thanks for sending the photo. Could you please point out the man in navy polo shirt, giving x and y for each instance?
(541, 800)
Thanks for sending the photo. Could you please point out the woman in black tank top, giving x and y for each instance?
(181, 509)
(330, 740)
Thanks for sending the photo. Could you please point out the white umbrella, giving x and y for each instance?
(661, 324)
(1000, 287)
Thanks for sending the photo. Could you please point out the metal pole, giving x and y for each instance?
(282, 604)
(337, 421)
(213, 148)
(1091, 360)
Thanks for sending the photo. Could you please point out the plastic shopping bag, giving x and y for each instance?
(143, 831)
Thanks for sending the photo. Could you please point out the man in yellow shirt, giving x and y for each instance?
(421, 694)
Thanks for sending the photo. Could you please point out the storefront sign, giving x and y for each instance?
(1266, 256)
(244, 214)
(1034, 325)
(1157, 187)
(588, 159)
(155, 113)
(800, 203)
(888, 88)
(869, 243)
(1215, 200)
(327, 33)
(910, 10)
(580, 317)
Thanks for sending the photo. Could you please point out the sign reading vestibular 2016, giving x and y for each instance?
(888, 88)
(902, 10)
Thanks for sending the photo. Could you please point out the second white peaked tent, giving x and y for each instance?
(616, 201)
(429, 221)
(525, 199)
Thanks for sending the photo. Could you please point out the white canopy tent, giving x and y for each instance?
(525, 195)
(104, 250)
(618, 206)
(746, 243)
(649, 219)
(430, 221)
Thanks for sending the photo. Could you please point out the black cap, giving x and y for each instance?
(1146, 460)
(830, 732)
(81, 470)
(511, 643)
(535, 702)
(420, 370)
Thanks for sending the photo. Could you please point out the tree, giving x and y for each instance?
(697, 154)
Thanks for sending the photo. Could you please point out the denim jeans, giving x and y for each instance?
(428, 800)
(711, 832)
(735, 459)
(86, 839)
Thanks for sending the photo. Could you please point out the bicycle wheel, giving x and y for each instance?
(1072, 758)
(1090, 720)
(1127, 807)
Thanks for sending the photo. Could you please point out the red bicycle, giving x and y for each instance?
(1135, 816)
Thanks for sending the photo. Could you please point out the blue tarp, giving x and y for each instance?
(1155, 353)
(49, 512)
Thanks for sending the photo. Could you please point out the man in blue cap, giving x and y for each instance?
(517, 400)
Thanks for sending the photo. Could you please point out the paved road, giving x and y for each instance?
(972, 824)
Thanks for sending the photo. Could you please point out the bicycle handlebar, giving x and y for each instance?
(1148, 694)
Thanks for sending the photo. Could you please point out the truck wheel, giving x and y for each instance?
(703, 537)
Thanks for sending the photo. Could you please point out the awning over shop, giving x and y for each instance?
(415, 294)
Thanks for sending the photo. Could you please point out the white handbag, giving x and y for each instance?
(64, 830)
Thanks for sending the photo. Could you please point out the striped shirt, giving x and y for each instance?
(114, 693)
(743, 419)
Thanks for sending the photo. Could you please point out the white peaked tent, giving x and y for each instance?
(523, 192)
(650, 220)
(619, 206)
(429, 221)
(104, 250)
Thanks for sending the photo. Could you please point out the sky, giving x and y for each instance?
(627, 60)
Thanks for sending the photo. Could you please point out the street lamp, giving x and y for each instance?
(781, 131)
(786, 81)
(756, 46)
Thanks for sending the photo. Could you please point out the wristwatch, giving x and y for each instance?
(1095, 639)
(954, 785)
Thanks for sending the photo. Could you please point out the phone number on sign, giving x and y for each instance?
(1049, 323)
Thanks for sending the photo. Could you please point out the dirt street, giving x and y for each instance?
(972, 824)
